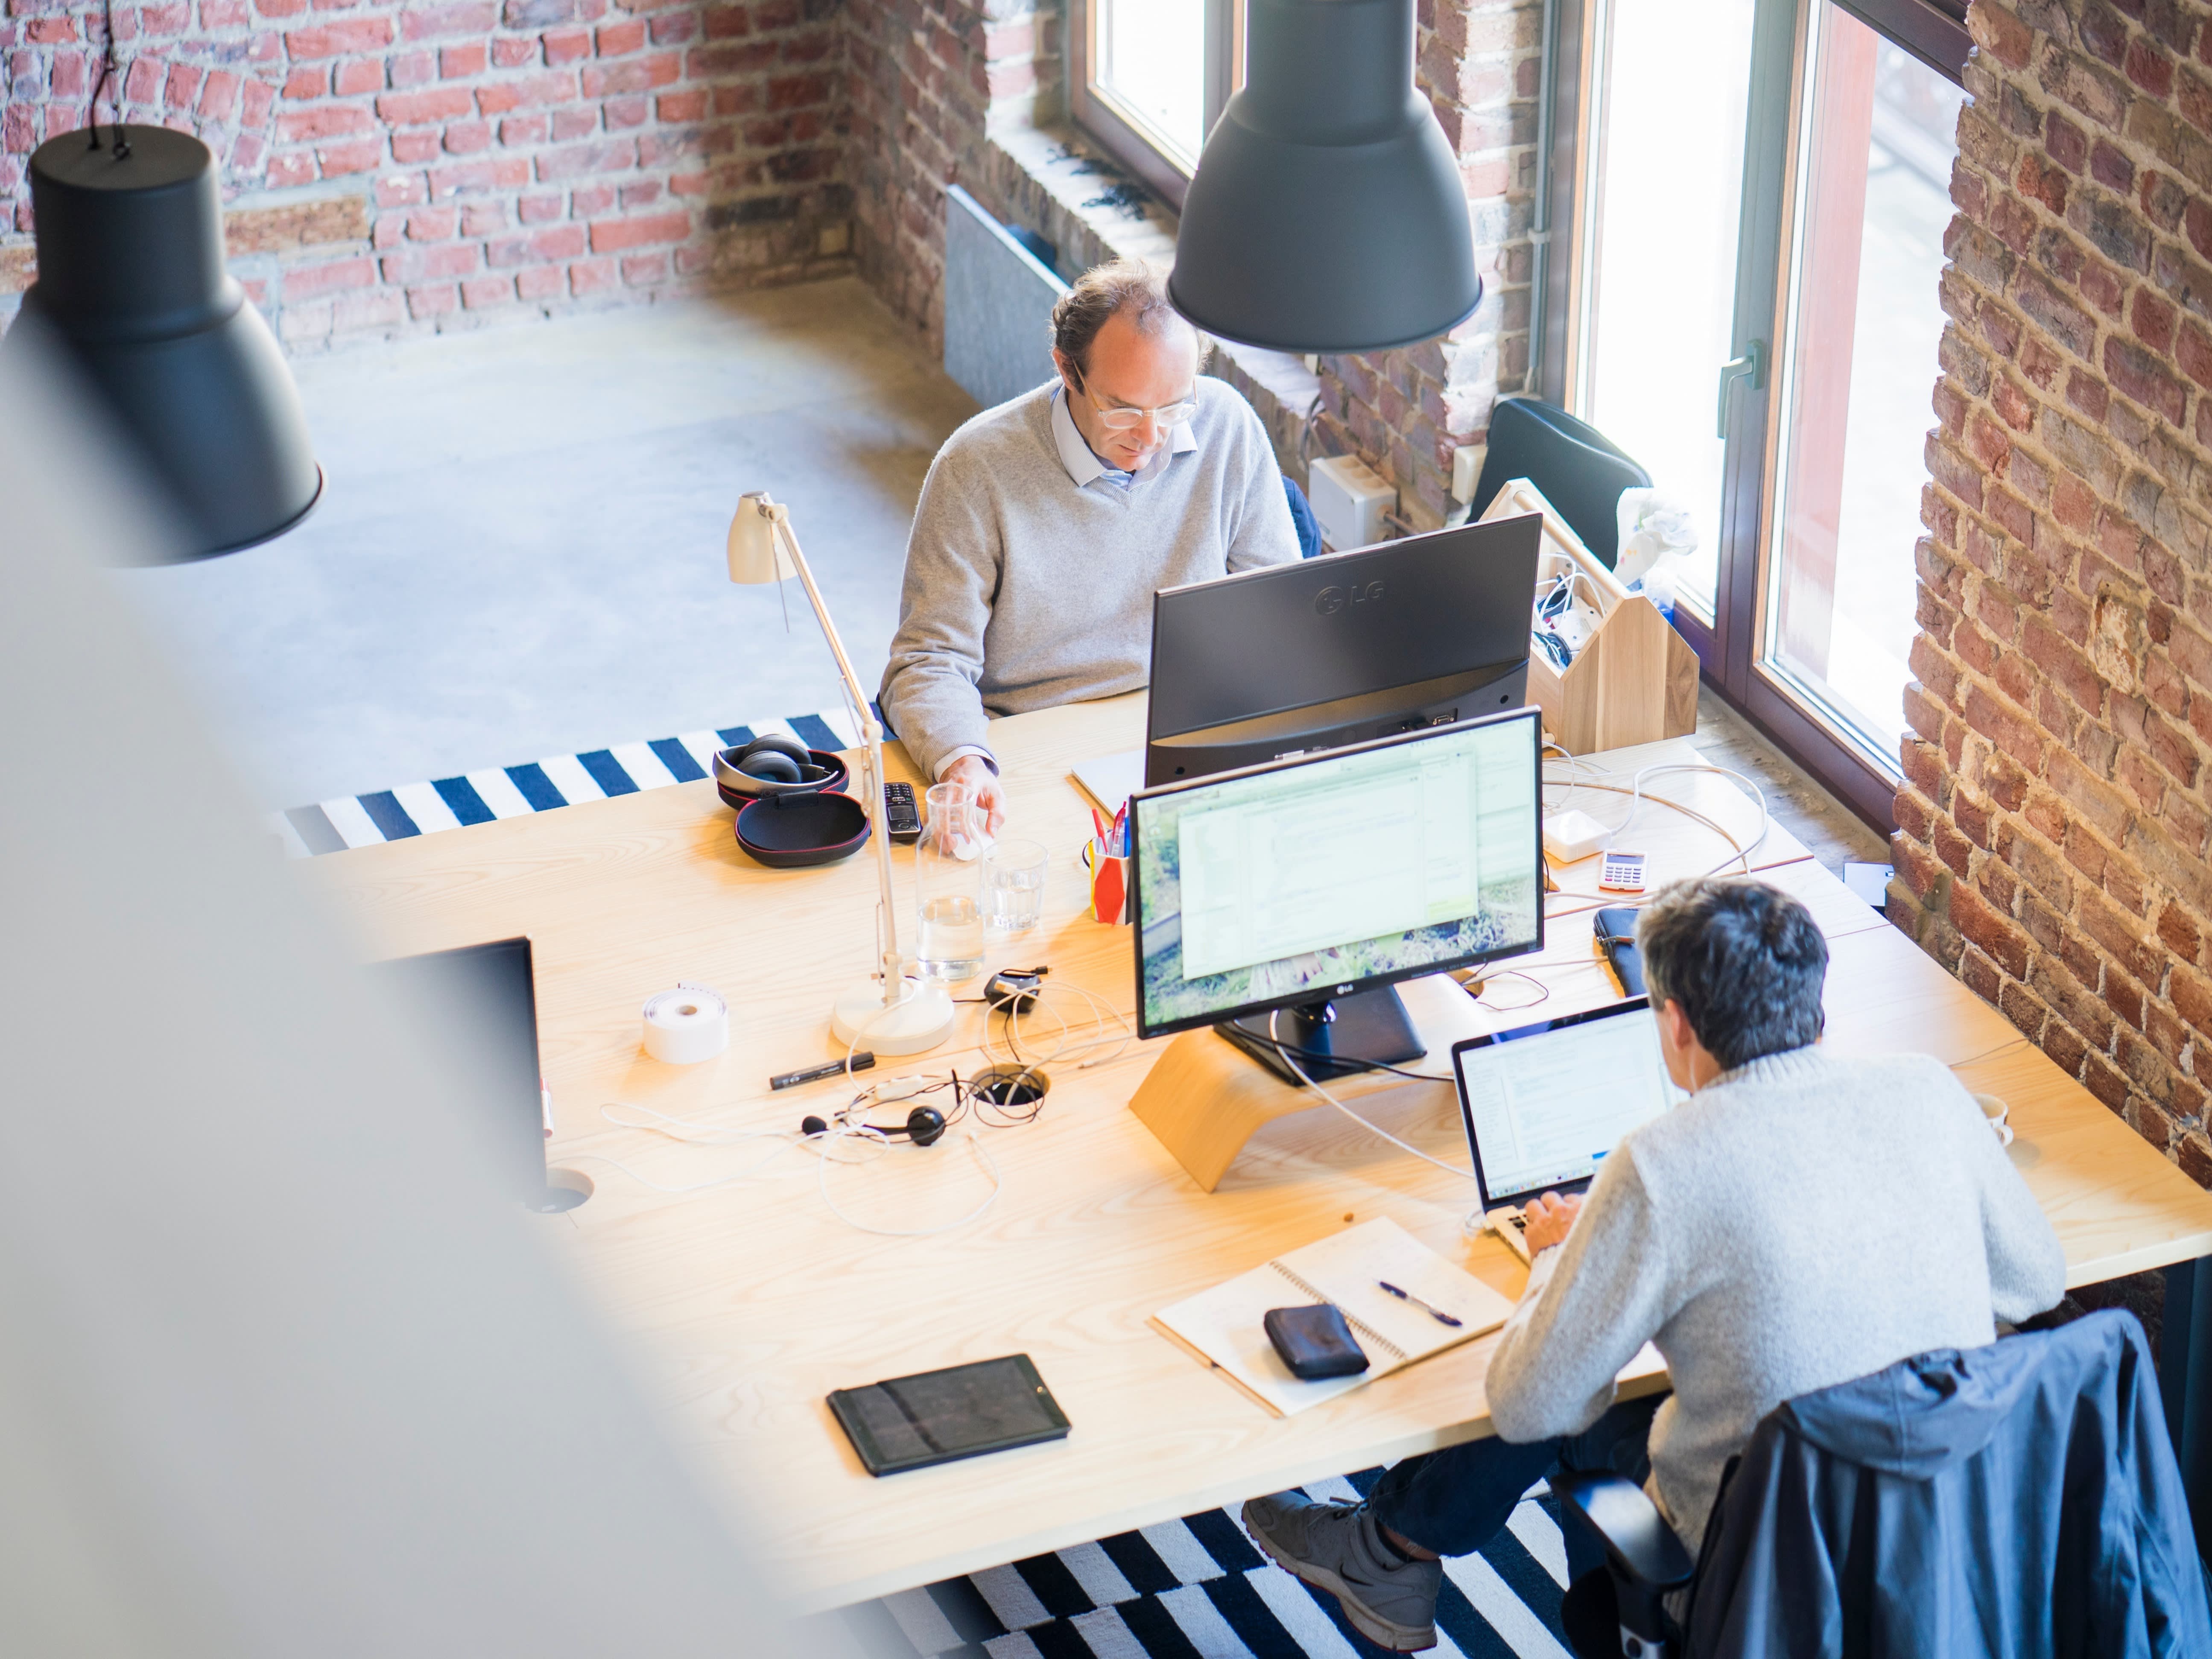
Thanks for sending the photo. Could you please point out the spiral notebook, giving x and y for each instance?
(1222, 1326)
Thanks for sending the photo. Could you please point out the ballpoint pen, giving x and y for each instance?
(1433, 1311)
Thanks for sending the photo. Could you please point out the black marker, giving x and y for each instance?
(815, 1073)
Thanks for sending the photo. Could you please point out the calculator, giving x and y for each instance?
(1622, 873)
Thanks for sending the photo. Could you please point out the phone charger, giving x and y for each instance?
(1570, 835)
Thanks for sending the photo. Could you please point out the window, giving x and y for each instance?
(1750, 309)
(1149, 78)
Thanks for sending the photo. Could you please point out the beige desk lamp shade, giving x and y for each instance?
(756, 555)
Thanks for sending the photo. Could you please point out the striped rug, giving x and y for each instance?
(1197, 1586)
(508, 792)
(1193, 1587)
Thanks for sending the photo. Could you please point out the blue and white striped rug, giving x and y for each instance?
(1193, 1587)
(1197, 1586)
(510, 792)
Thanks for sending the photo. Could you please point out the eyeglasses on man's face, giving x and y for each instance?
(1118, 417)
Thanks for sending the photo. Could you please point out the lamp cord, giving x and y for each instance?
(108, 76)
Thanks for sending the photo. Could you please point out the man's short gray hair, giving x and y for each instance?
(1743, 961)
(1135, 287)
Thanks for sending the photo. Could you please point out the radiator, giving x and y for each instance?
(998, 305)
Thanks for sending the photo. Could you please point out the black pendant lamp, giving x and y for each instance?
(132, 286)
(1327, 212)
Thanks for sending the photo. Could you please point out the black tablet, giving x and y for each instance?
(936, 1417)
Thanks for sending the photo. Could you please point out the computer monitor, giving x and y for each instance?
(1340, 650)
(1313, 885)
(486, 996)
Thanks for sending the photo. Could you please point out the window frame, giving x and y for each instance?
(1731, 642)
(1123, 133)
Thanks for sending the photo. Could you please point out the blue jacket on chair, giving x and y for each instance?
(2021, 1500)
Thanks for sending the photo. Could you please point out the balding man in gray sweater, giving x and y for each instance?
(1802, 1220)
(1047, 524)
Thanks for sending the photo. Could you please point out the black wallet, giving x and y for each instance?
(1616, 937)
(1314, 1342)
(934, 1416)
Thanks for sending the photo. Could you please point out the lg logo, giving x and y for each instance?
(1330, 600)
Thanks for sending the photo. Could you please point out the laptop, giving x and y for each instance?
(1544, 1104)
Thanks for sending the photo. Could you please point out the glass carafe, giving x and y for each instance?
(949, 886)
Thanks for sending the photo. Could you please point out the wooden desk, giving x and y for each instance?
(750, 1301)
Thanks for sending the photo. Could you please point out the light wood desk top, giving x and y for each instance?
(751, 1301)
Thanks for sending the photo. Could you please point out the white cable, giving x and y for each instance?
(1290, 1059)
(1101, 1010)
(975, 1145)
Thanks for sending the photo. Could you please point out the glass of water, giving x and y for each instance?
(1013, 885)
(949, 887)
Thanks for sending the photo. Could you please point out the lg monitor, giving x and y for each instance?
(1340, 650)
(1281, 902)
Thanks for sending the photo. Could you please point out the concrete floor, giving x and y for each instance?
(519, 551)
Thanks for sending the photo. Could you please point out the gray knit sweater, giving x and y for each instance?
(1798, 1222)
(1024, 590)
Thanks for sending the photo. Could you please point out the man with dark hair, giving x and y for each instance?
(1802, 1220)
(1047, 523)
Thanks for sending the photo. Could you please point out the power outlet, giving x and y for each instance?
(1466, 468)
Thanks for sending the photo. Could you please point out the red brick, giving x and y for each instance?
(539, 281)
(455, 17)
(307, 281)
(433, 301)
(360, 75)
(643, 269)
(538, 210)
(304, 83)
(567, 45)
(612, 235)
(324, 121)
(552, 87)
(467, 137)
(637, 75)
(614, 39)
(455, 62)
(510, 53)
(412, 147)
(413, 109)
(2192, 354)
(362, 156)
(589, 277)
(338, 39)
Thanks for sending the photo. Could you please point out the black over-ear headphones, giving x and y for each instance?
(776, 759)
(925, 1126)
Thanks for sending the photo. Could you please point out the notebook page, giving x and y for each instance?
(1223, 1326)
(1344, 1268)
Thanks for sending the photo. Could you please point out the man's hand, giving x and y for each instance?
(983, 784)
(1547, 1218)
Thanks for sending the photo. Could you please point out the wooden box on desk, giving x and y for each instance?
(1634, 680)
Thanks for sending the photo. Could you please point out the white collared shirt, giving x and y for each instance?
(1085, 467)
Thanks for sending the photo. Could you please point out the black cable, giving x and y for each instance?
(1344, 1062)
(106, 74)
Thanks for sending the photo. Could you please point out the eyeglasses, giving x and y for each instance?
(1121, 419)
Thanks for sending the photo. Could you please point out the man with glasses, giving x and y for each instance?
(1047, 523)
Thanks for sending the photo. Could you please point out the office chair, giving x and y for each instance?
(1302, 519)
(2029, 1484)
(1580, 471)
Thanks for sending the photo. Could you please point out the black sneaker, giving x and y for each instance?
(1335, 1548)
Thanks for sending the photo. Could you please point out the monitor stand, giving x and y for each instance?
(1335, 1038)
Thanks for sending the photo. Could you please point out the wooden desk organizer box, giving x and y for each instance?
(1634, 680)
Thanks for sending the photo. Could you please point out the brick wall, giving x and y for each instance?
(929, 81)
(2054, 822)
(1404, 412)
(392, 166)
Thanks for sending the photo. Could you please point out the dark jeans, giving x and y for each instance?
(1456, 1500)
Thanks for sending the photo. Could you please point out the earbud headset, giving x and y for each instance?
(925, 1126)
(773, 759)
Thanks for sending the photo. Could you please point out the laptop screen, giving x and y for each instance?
(1545, 1104)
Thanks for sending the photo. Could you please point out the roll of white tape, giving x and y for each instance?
(687, 1025)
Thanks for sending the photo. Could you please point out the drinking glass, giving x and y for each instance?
(949, 886)
(1014, 882)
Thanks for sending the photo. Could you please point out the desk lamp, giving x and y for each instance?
(891, 1013)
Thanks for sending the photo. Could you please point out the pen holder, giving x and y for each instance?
(1110, 884)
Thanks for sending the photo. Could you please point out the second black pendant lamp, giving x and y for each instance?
(1327, 212)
